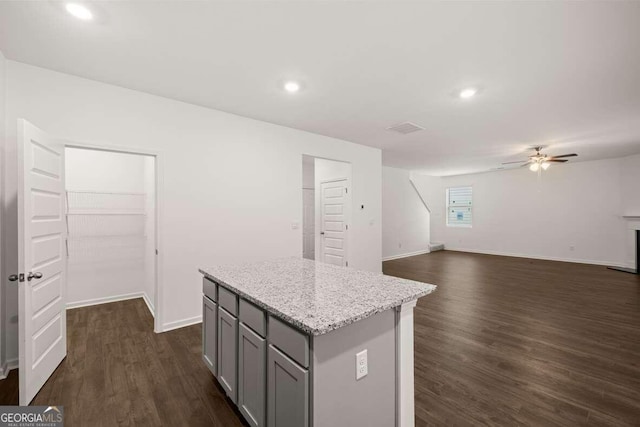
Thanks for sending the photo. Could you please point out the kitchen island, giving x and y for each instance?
(299, 343)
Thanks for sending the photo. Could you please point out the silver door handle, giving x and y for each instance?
(13, 278)
(36, 275)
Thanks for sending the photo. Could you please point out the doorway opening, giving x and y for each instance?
(326, 205)
(111, 226)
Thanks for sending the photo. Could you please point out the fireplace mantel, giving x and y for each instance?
(634, 224)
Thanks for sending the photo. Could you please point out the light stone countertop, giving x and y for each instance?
(316, 297)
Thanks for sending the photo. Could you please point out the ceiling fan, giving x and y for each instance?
(540, 161)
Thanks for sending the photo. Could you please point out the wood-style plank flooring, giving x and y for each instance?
(514, 341)
(503, 341)
(118, 372)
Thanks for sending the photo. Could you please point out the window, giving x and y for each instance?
(459, 206)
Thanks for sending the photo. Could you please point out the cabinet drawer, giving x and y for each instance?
(289, 340)
(209, 289)
(228, 300)
(253, 317)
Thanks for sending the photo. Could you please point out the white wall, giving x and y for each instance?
(308, 172)
(108, 253)
(308, 208)
(575, 205)
(631, 185)
(231, 185)
(95, 170)
(328, 170)
(405, 219)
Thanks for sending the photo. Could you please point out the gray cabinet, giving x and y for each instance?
(252, 363)
(228, 353)
(288, 391)
(209, 334)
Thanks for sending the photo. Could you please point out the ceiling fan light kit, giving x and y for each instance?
(539, 161)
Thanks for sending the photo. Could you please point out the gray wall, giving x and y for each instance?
(339, 398)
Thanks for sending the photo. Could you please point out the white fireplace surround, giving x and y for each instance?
(633, 223)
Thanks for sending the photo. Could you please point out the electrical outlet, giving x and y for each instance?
(362, 366)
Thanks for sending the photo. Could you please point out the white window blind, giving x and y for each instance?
(459, 206)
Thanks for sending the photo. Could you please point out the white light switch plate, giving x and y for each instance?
(362, 366)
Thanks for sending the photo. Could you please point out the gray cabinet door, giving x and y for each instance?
(288, 391)
(252, 365)
(209, 334)
(228, 353)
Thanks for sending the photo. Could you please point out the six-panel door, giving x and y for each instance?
(228, 353)
(288, 391)
(210, 334)
(252, 359)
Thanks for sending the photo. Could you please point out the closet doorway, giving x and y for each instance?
(112, 217)
(326, 210)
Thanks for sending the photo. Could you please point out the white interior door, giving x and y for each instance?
(334, 222)
(41, 259)
(308, 223)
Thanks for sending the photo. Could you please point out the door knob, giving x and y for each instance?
(36, 275)
(13, 278)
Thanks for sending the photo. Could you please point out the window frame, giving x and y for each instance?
(448, 206)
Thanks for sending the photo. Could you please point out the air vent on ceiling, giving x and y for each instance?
(405, 128)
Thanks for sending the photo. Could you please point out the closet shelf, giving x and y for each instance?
(106, 213)
(107, 192)
(73, 237)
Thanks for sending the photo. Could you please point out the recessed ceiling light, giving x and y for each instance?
(292, 87)
(468, 92)
(79, 11)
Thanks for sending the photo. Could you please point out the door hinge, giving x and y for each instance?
(347, 263)
(156, 252)
(346, 190)
(346, 226)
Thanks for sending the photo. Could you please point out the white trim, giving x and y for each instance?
(104, 300)
(181, 323)
(406, 255)
(9, 365)
(147, 301)
(157, 154)
(540, 257)
(405, 388)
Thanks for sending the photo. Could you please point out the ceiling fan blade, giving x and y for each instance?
(526, 164)
(564, 155)
(517, 161)
(556, 160)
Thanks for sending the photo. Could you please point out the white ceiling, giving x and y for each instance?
(563, 74)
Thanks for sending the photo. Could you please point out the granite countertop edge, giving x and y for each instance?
(305, 328)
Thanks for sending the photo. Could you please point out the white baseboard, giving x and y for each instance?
(389, 258)
(540, 257)
(181, 323)
(147, 301)
(9, 365)
(104, 300)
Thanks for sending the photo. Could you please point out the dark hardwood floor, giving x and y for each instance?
(118, 372)
(503, 341)
(513, 341)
